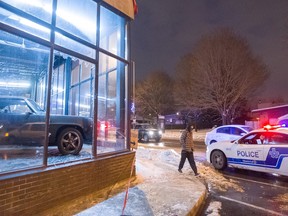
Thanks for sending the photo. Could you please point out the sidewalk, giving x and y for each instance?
(163, 192)
(157, 190)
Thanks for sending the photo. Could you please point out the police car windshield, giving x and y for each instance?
(248, 139)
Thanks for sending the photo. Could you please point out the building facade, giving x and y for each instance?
(72, 58)
(269, 115)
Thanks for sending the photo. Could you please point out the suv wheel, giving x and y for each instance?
(146, 138)
(157, 139)
(70, 141)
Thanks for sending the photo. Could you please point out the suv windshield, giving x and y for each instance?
(35, 106)
(144, 126)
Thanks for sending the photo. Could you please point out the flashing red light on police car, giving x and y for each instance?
(272, 127)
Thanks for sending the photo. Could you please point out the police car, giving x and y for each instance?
(263, 150)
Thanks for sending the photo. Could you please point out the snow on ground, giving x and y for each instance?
(213, 209)
(159, 166)
(171, 158)
(283, 199)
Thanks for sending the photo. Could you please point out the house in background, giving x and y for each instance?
(283, 120)
(270, 115)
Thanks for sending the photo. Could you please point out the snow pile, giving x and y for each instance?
(151, 165)
(159, 170)
(214, 208)
(283, 199)
(216, 180)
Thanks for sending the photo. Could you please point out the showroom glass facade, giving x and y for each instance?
(71, 59)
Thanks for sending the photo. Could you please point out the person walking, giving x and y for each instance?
(186, 141)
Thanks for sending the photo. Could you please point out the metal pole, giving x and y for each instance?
(133, 86)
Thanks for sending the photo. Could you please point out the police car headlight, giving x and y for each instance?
(151, 133)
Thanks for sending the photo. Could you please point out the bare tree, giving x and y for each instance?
(220, 74)
(154, 95)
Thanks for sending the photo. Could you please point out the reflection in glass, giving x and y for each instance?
(25, 25)
(111, 105)
(38, 8)
(72, 101)
(113, 33)
(57, 90)
(78, 19)
(25, 75)
(22, 128)
(73, 45)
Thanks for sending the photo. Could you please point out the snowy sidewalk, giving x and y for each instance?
(163, 191)
(157, 190)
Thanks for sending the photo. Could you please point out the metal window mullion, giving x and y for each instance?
(130, 78)
(79, 87)
(74, 54)
(95, 119)
(52, 40)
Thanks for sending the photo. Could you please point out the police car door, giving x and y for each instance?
(247, 153)
(276, 153)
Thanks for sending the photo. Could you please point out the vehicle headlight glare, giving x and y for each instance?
(160, 132)
(150, 132)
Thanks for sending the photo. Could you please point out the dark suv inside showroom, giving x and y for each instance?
(22, 122)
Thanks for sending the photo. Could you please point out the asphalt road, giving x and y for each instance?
(262, 192)
(260, 195)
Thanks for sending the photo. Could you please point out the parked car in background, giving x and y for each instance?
(226, 132)
(260, 150)
(146, 132)
(21, 117)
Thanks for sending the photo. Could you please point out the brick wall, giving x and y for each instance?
(35, 192)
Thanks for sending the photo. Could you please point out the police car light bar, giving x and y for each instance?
(272, 127)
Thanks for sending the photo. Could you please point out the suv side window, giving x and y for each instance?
(18, 107)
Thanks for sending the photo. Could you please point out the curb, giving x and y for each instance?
(199, 204)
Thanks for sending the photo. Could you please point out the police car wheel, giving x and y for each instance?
(219, 160)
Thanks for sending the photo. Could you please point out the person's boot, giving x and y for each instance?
(180, 171)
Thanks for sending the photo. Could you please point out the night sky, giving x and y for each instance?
(165, 30)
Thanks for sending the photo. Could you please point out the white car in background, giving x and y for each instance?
(260, 150)
(226, 132)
